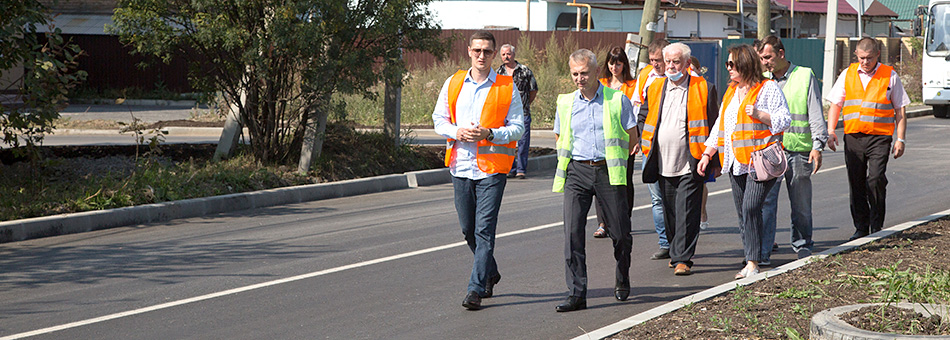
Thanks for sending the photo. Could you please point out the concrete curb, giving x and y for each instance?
(621, 325)
(18, 230)
(923, 111)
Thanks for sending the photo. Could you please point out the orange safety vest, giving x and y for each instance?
(628, 88)
(868, 110)
(750, 134)
(491, 158)
(642, 80)
(696, 122)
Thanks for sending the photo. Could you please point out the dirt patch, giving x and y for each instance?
(892, 319)
(896, 268)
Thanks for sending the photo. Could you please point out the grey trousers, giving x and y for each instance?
(749, 196)
(582, 183)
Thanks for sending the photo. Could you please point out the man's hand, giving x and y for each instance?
(472, 135)
(832, 140)
(815, 158)
(898, 149)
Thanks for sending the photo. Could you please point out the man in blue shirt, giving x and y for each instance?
(596, 130)
(481, 145)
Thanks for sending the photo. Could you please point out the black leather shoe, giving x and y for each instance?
(858, 234)
(622, 292)
(663, 253)
(490, 286)
(572, 303)
(472, 301)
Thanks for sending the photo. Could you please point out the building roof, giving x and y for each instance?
(81, 6)
(821, 6)
(904, 8)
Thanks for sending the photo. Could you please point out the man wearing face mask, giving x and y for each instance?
(674, 131)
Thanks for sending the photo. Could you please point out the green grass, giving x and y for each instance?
(548, 61)
(59, 185)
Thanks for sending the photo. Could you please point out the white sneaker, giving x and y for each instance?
(703, 225)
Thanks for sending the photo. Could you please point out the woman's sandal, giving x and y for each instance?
(601, 232)
(746, 272)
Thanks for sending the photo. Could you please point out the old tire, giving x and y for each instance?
(826, 325)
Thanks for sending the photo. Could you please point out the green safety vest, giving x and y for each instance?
(798, 136)
(617, 141)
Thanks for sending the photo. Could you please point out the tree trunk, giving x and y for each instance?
(314, 135)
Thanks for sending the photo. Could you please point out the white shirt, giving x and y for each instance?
(468, 113)
(770, 100)
(895, 90)
(671, 141)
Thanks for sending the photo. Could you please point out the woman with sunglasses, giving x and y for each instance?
(615, 74)
(753, 115)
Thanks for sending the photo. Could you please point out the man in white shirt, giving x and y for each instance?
(872, 99)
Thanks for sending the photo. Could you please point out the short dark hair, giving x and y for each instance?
(482, 35)
(869, 45)
(616, 55)
(771, 40)
(747, 63)
(657, 45)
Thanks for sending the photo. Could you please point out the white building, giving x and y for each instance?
(683, 19)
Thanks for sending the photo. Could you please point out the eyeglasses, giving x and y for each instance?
(730, 65)
(487, 51)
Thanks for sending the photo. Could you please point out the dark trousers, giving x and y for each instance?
(477, 203)
(866, 158)
(582, 183)
(749, 196)
(599, 207)
(682, 207)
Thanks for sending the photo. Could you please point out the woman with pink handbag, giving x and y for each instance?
(753, 116)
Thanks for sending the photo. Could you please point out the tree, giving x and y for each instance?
(287, 57)
(49, 65)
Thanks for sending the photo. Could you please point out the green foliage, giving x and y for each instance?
(910, 68)
(288, 58)
(49, 64)
(798, 294)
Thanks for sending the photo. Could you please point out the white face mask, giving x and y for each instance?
(674, 76)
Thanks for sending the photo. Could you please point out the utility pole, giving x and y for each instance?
(831, 32)
(764, 8)
(647, 29)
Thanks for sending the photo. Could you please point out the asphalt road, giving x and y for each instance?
(392, 265)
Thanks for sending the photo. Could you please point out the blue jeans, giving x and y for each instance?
(521, 158)
(477, 203)
(658, 223)
(798, 180)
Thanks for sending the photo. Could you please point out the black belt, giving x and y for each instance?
(592, 163)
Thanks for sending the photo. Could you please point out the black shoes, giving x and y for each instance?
(472, 301)
(663, 253)
(858, 234)
(490, 285)
(622, 292)
(572, 303)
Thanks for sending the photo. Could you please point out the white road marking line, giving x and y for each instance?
(301, 277)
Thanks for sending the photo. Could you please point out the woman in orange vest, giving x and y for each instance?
(616, 74)
(752, 116)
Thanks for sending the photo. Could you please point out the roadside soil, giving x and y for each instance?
(781, 307)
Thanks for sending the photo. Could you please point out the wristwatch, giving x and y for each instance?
(491, 135)
(902, 141)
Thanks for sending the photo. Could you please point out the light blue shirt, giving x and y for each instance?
(587, 125)
(468, 113)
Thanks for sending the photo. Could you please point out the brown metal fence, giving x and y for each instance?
(110, 66)
(591, 40)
